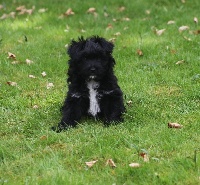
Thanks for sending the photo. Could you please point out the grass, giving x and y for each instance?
(160, 90)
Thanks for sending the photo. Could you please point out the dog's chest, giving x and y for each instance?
(93, 93)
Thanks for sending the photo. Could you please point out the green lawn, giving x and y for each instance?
(161, 86)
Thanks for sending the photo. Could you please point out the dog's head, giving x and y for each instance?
(91, 58)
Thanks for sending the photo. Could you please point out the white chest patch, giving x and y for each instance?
(94, 105)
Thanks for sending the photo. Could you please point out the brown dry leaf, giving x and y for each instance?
(121, 9)
(160, 32)
(196, 32)
(1, 6)
(91, 10)
(69, 12)
(111, 163)
(50, 85)
(91, 163)
(183, 28)
(43, 137)
(139, 52)
(20, 8)
(110, 26)
(12, 14)
(134, 165)
(174, 125)
(31, 76)
(180, 62)
(43, 74)
(173, 51)
(11, 55)
(171, 22)
(145, 156)
(12, 83)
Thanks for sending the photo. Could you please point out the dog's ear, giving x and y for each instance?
(76, 46)
(106, 45)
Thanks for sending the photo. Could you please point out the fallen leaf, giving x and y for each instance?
(183, 1)
(15, 62)
(134, 165)
(114, 20)
(160, 32)
(126, 28)
(1, 6)
(43, 137)
(43, 74)
(147, 12)
(50, 85)
(121, 9)
(109, 27)
(20, 8)
(173, 51)
(117, 34)
(69, 12)
(183, 28)
(35, 106)
(12, 83)
(129, 102)
(29, 61)
(31, 76)
(12, 14)
(91, 10)
(112, 40)
(139, 52)
(105, 14)
(126, 19)
(91, 163)
(4, 16)
(11, 55)
(171, 22)
(83, 31)
(195, 20)
(180, 62)
(186, 38)
(145, 156)
(196, 32)
(42, 10)
(174, 125)
(111, 163)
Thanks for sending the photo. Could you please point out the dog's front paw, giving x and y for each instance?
(59, 128)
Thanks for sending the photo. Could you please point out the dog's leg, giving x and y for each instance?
(112, 109)
(71, 113)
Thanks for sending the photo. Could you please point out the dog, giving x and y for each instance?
(92, 86)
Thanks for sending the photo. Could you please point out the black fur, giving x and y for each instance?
(91, 59)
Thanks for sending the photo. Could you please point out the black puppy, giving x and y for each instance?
(93, 88)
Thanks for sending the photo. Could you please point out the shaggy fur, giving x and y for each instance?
(93, 88)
